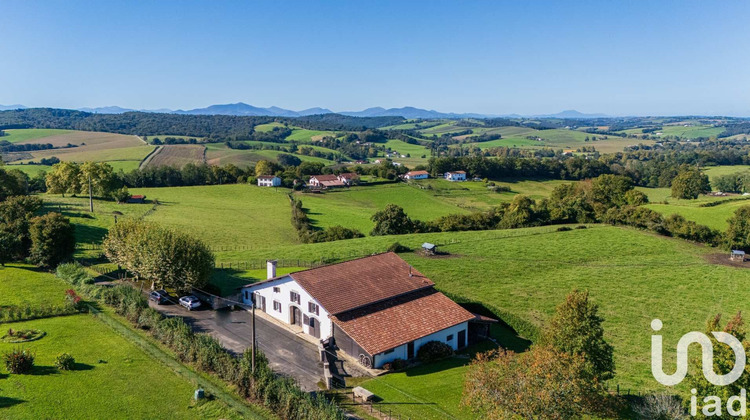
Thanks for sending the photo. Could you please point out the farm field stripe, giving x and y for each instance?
(148, 157)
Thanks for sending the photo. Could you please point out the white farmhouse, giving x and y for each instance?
(417, 175)
(376, 309)
(269, 181)
(455, 176)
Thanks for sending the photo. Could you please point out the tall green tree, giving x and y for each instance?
(65, 177)
(166, 257)
(576, 328)
(15, 215)
(392, 220)
(52, 240)
(689, 184)
(738, 231)
(102, 177)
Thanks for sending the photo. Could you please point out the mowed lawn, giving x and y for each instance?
(24, 284)
(113, 378)
(353, 207)
(226, 215)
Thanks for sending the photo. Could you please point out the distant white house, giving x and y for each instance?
(376, 308)
(417, 175)
(269, 181)
(455, 176)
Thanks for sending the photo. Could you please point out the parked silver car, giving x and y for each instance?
(190, 302)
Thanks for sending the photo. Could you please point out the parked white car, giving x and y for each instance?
(190, 302)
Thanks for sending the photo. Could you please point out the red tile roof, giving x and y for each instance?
(322, 178)
(349, 175)
(356, 283)
(394, 322)
(412, 173)
(137, 197)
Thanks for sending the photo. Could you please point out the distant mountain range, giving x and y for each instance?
(243, 109)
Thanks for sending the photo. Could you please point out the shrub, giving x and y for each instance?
(74, 274)
(397, 247)
(396, 364)
(149, 319)
(434, 350)
(581, 227)
(65, 362)
(19, 360)
(564, 229)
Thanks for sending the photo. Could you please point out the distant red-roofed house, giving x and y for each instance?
(376, 309)
(137, 199)
(348, 178)
(417, 175)
(325, 181)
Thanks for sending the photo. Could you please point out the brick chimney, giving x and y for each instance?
(270, 269)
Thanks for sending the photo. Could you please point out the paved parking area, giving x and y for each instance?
(287, 354)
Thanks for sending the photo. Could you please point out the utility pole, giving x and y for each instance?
(253, 346)
(91, 197)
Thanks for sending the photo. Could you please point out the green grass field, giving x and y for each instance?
(303, 135)
(224, 215)
(716, 171)
(714, 217)
(691, 131)
(353, 207)
(25, 284)
(30, 170)
(263, 128)
(21, 135)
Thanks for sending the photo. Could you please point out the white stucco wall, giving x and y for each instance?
(400, 352)
(286, 284)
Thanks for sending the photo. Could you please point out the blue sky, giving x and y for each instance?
(499, 57)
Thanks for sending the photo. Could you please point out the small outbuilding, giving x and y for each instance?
(737, 255)
(137, 199)
(429, 249)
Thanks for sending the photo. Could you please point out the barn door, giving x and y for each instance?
(314, 327)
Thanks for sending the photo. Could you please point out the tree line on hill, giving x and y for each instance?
(224, 127)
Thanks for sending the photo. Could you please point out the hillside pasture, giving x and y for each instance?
(264, 128)
(226, 215)
(353, 207)
(123, 151)
(177, 155)
(716, 171)
(30, 134)
(690, 131)
(303, 135)
(30, 170)
(714, 217)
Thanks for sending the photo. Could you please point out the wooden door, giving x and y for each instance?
(314, 327)
(296, 316)
(462, 339)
